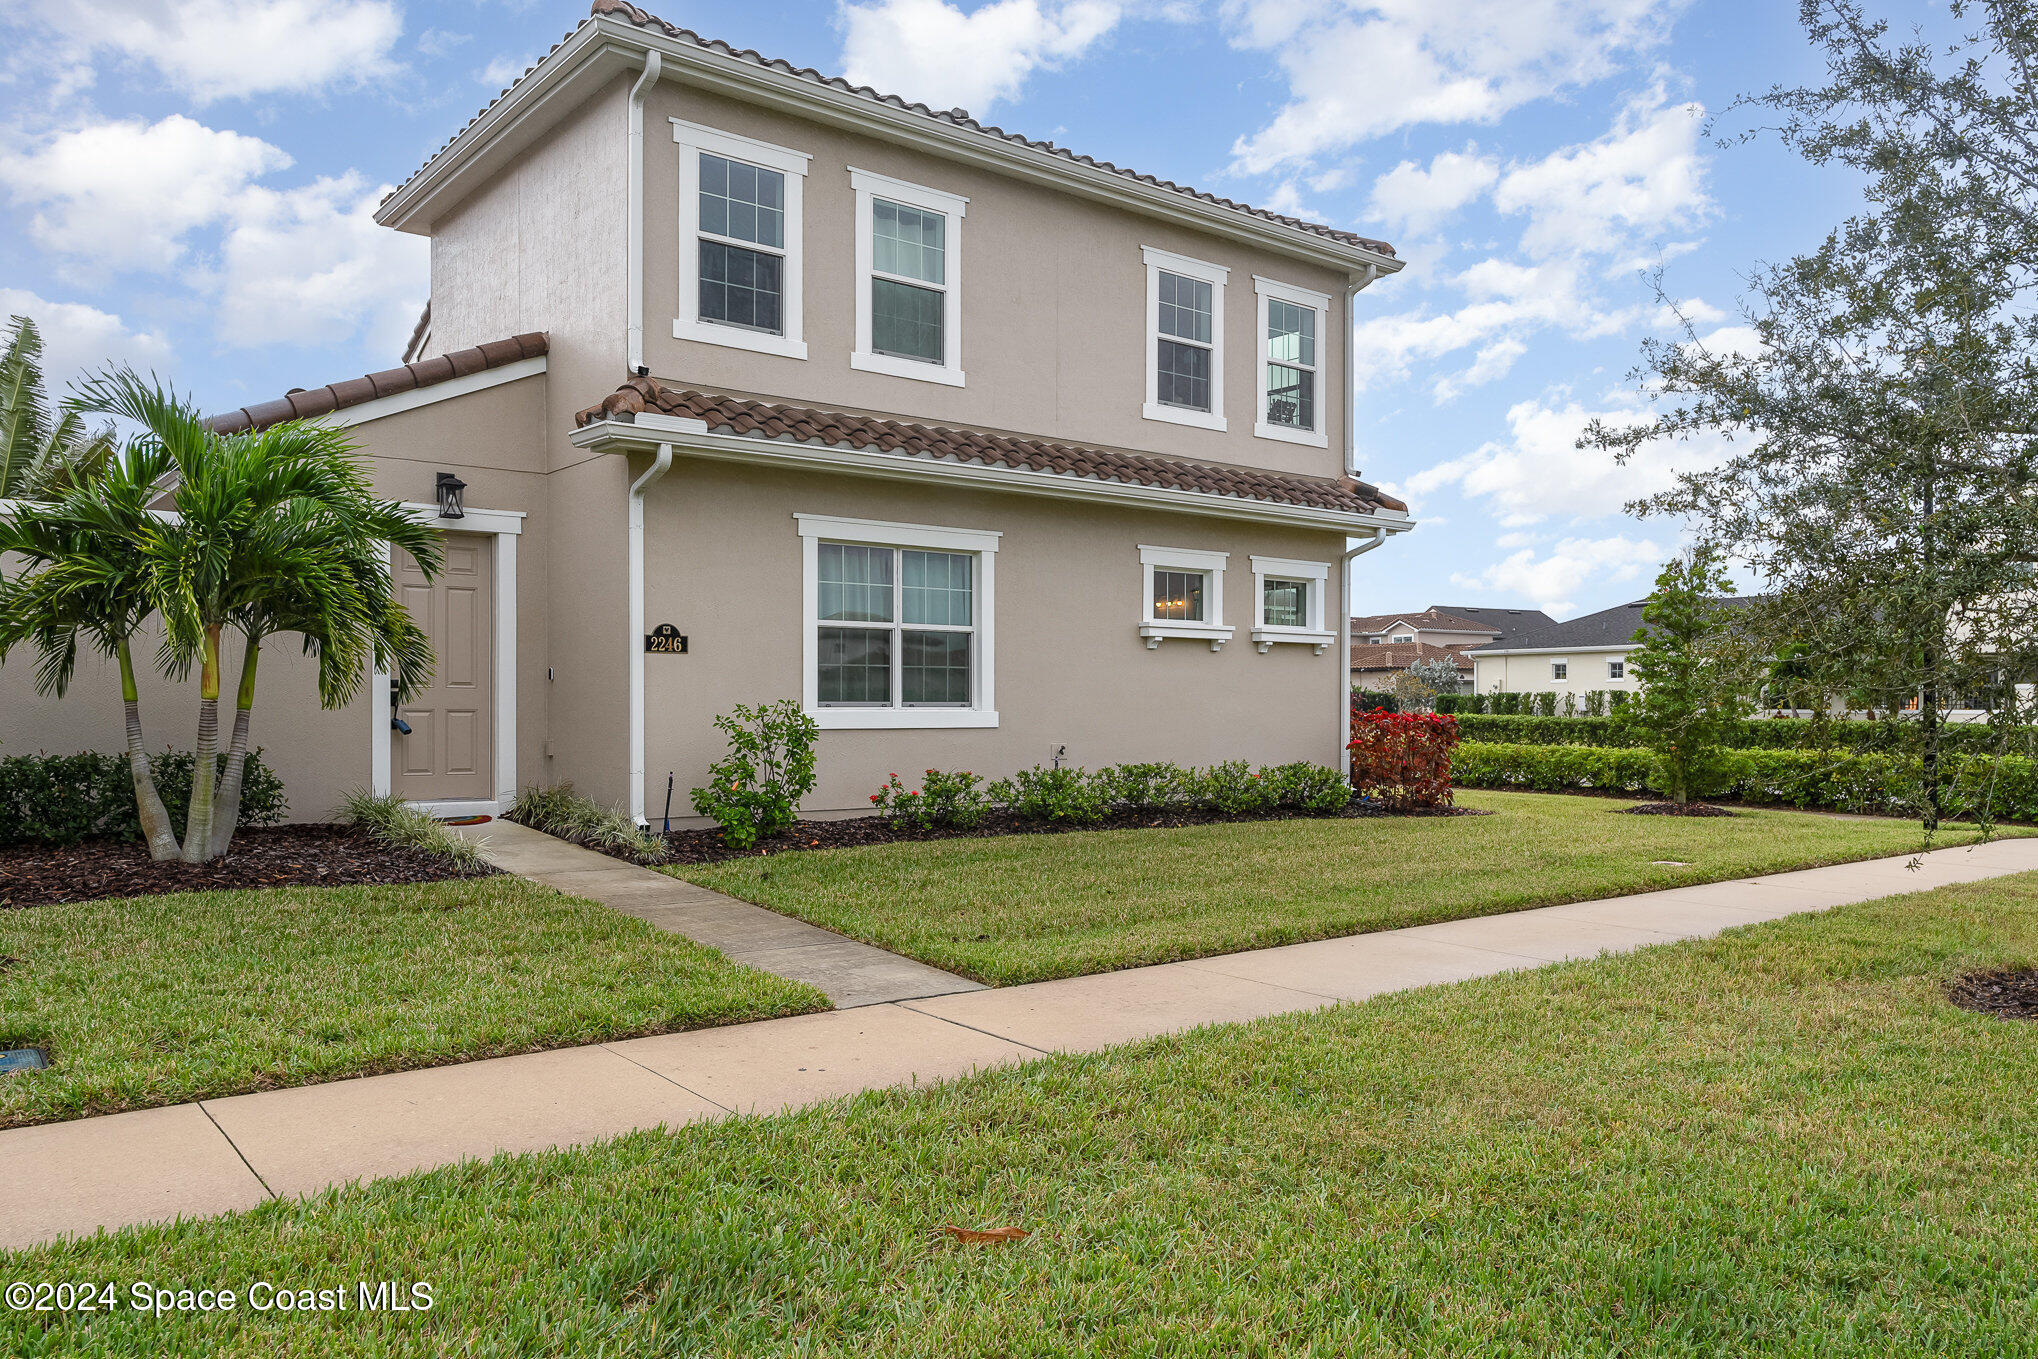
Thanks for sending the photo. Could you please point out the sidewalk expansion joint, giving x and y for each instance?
(605, 1047)
(206, 1109)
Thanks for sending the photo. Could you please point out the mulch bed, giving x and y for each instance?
(285, 856)
(705, 846)
(2008, 993)
(1672, 809)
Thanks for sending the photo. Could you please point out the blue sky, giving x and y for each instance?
(186, 184)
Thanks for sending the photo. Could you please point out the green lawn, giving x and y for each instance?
(1780, 1142)
(158, 1000)
(1030, 907)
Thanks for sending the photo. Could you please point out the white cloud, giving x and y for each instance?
(1357, 69)
(1645, 175)
(934, 52)
(1538, 473)
(126, 194)
(77, 339)
(1411, 199)
(1552, 580)
(1493, 362)
(295, 264)
(503, 71)
(220, 49)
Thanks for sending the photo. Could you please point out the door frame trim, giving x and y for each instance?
(506, 526)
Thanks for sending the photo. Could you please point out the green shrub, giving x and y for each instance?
(1308, 787)
(1059, 796)
(1236, 789)
(1759, 733)
(949, 800)
(395, 822)
(1452, 703)
(1364, 700)
(558, 810)
(1147, 788)
(755, 789)
(63, 799)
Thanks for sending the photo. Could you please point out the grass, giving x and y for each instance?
(1032, 907)
(1779, 1142)
(158, 1000)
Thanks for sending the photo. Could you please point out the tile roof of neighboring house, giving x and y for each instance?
(1401, 655)
(305, 403)
(420, 334)
(1608, 627)
(838, 429)
(1432, 618)
(630, 14)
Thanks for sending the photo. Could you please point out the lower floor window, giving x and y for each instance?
(1178, 596)
(1559, 670)
(1285, 603)
(897, 626)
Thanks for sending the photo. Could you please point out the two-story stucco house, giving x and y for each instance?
(984, 451)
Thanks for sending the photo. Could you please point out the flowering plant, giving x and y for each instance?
(1403, 760)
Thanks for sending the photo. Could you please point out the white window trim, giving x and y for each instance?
(1313, 633)
(1266, 288)
(869, 188)
(693, 139)
(1214, 275)
(1156, 630)
(1564, 678)
(1622, 663)
(880, 533)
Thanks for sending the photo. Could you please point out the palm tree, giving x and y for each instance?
(39, 452)
(274, 530)
(85, 573)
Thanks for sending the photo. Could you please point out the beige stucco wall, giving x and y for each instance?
(1053, 304)
(1530, 674)
(724, 565)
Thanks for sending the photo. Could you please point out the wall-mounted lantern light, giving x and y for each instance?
(450, 490)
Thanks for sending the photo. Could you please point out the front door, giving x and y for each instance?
(449, 754)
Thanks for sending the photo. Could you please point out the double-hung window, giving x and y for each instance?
(1184, 594)
(1289, 603)
(1290, 362)
(740, 249)
(908, 279)
(898, 624)
(1184, 340)
(1560, 671)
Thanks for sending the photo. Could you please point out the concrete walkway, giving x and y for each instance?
(849, 972)
(220, 1155)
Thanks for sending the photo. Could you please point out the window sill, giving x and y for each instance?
(733, 337)
(1288, 434)
(1181, 415)
(906, 368)
(1266, 637)
(900, 719)
(1156, 633)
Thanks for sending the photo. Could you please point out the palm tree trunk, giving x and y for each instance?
(205, 764)
(155, 817)
(226, 814)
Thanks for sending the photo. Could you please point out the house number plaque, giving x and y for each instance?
(665, 640)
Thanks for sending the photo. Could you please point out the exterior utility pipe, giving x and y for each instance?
(634, 341)
(1352, 290)
(660, 465)
(1344, 648)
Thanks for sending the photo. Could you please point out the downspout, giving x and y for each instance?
(1351, 412)
(1344, 648)
(634, 342)
(660, 465)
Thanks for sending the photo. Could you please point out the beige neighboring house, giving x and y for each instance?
(757, 385)
(1385, 644)
(1586, 653)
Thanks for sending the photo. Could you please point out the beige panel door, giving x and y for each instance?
(450, 751)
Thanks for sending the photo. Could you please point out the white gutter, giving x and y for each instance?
(634, 343)
(1344, 647)
(660, 465)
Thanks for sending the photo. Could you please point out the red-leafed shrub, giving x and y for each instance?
(1403, 760)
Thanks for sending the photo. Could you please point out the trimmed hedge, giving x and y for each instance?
(1874, 782)
(63, 799)
(1772, 733)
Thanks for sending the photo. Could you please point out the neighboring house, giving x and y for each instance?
(1586, 653)
(981, 450)
(1385, 644)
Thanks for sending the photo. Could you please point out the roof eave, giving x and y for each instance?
(647, 431)
(603, 46)
(1552, 650)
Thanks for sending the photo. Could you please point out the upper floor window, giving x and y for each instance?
(1617, 670)
(1291, 330)
(740, 239)
(1185, 340)
(908, 279)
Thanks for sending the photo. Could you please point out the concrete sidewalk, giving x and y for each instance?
(221, 1155)
(848, 971)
